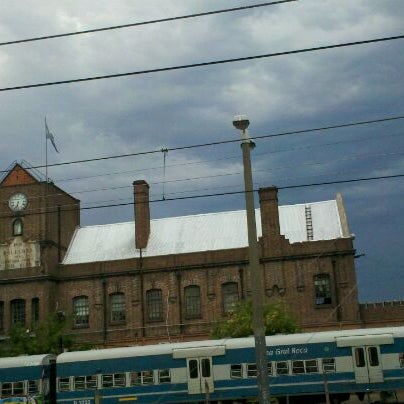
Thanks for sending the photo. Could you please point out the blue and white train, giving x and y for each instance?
(302, 367)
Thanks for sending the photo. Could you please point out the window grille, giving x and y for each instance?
(154, 301)
(192, 301)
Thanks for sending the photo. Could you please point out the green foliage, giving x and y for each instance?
(238, 324)
(46, 337)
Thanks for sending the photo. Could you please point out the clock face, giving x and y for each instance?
(18, 202)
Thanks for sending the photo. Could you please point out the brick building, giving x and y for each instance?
(153, 280)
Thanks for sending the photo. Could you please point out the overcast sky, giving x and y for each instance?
(148, 112)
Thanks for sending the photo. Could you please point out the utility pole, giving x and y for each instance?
(241, 123)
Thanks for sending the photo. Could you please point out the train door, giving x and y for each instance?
(367, 364)
(200, 375)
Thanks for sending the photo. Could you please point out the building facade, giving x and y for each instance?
(171, 279)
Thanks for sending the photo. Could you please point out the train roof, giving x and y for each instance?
(26, 360)
(230, 343)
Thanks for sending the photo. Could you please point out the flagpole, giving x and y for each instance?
(46, 154)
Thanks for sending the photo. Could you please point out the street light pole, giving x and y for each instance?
(241, 122)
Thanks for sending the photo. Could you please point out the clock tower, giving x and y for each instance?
(37, 221)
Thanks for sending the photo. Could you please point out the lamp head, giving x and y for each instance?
(241, 122)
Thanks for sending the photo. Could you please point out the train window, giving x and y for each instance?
(79, 383)
(107, 380)
(33, 387)
(84, 382)
(297, 367)
(64, 384)
(269, 368)
(236, 371)
(164, 376)
(6, 389)
(329, 365)
(205, 367)
(402, 360)
(193, 369)
(18, 388)
(359, 357)
(143, 377)
(119, 380)
(311, 366)
(251, 370)
(282, 368)
(373, 356)
(114, 380)
(91, 382)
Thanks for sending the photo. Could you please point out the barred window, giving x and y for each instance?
(64, 384)
(297, 367)
(33, 387)
(118, 310)
(311, 366)
(230, 296)
(322, 289)
(192, 301)
(81, 311)
(17, 308)
(329, 365)
(142, 377)
(270, 371)
(154, 301)
(114, 380)
(282, 368)
(85, 382)
(164, 376)
(236, 371)
(251, 370)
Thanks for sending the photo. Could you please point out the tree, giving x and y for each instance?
(46, 337)
(277, 320)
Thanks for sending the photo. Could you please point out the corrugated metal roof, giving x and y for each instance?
(205, 232)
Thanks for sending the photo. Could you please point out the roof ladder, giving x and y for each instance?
(309, 222)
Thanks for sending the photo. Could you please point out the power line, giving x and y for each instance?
(137, 24)
(352, 180)
(202, 64)
(295, 132)
(231, 157)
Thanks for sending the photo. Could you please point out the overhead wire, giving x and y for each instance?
(231, 157)
(171, 149)
(351, 180)
(202, 64)
(148, 22)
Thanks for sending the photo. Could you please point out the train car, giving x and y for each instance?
(302, 367)
(28, 377)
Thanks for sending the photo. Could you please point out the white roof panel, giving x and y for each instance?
(205, 232)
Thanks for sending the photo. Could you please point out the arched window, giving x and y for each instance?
(18, 227)
(322, 289)
(117, 307)
(17, 311)
(192, 301)
(81, 311)
(154, 301)
(230, 296)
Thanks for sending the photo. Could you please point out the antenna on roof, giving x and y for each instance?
(164, 150)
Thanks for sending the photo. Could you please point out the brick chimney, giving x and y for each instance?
(142, 213)
(269, 213)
